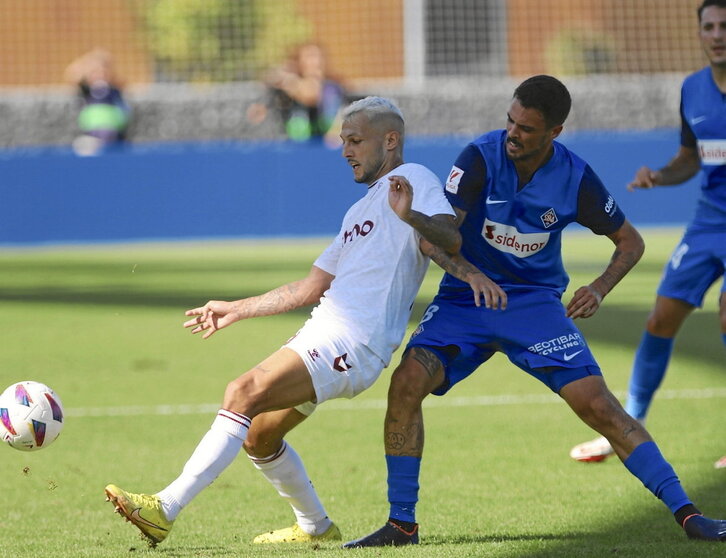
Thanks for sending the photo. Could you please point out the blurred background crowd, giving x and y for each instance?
(91, 73)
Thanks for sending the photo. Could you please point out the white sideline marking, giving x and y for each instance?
(367, 404)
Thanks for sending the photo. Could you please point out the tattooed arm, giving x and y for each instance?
(629, 247)
(458, 266)
(441, 230)
(218, 314)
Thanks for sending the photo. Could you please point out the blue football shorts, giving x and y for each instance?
(533, 332)
(696, 263)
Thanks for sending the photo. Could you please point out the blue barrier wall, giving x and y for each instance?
(229, 190)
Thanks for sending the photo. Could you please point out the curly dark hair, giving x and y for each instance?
(547, 95)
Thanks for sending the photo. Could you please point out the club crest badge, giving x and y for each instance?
(549, 218)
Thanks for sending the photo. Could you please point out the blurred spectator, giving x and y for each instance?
(304, 96)
(104, 116)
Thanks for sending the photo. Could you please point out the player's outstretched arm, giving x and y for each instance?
(629, 247)
(461, 268)
(440, 230)
(218, 314)
(682, 167)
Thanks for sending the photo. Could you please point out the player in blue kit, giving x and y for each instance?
(514, 191)
(700, 258)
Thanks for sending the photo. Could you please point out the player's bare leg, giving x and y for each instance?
(649, 368)
(590, 398)
(419, 373)
(594, 403)
(282, 467)
(268, 431)
(416, 377)
(667, 316)
(280, 381)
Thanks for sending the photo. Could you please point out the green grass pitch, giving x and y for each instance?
(102, 326)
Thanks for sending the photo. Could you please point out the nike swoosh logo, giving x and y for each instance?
(573, 355)
(490, 201)
(136, 517)
(698, 119)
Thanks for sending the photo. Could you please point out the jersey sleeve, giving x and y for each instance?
(688, 138)
(467, 178)
(428, 197)
(596, 208)
(328, 260)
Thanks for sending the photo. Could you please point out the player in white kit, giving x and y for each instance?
(365, 283)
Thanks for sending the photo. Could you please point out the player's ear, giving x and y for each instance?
(392, 140)
(556, 131)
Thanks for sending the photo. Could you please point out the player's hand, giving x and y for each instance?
(645, 178)
(584, 303)
(400, 196)
(494, 297)
(213, 316)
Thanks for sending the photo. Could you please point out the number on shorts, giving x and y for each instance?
(430, 311)
(678, 255)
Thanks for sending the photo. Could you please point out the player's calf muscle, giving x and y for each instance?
(404, 438)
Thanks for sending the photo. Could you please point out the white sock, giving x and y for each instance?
(285, 471)
(217, 449)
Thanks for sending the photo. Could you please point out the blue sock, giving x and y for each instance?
(648, 464)
(649, 368)
(723, 337)
(403, 473)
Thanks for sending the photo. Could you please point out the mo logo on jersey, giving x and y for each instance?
(358, 230)
(506, 238)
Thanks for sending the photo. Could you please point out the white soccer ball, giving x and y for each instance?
(31, 416)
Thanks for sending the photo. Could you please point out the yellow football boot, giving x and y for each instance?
(295, 534)
(143, 510)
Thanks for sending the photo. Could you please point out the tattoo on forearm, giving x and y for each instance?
(277, 301)
(441, 232)
(458, 267)
(620, 264)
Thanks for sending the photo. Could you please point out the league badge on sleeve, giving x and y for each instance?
(452, 182)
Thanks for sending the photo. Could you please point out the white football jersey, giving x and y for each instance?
(377, 263)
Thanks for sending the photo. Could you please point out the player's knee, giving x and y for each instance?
(592, 401)
(603, 410)
(239, 396)
(659, 325)
(251, 445)
(408, 385)
(667, 316)
(261, 444)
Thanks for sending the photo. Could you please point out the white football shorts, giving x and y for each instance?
(338, 365)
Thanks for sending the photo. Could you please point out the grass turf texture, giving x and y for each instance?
(102, 326)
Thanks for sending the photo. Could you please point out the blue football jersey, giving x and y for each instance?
(514, 234)
(703, 116)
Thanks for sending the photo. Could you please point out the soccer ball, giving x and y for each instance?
(31, 416)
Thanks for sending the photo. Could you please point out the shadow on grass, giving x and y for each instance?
(499, 538)
(647, 535)
(698, 339)
(186, 551)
